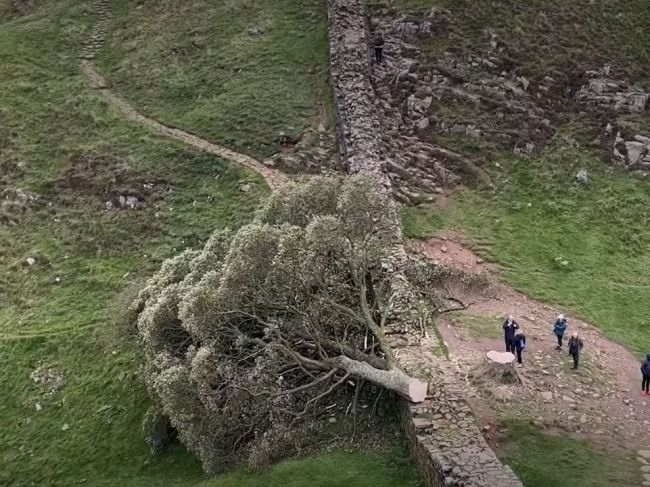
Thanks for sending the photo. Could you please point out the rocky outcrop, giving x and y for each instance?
(475, 99)
(446, 441)
(634, 152)
(601, 92)
(313, 153)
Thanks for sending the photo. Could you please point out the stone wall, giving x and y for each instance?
(442, 431)
(359, 125)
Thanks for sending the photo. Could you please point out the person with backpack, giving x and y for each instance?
(378, 45)
(520, 345)
(575, 348)
(559, 328)
(510, 326)
(645, 372)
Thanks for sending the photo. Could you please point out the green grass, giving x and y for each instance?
(542, 460)
(480, 326)
(584, 248)
(338, 469)
(419, 222)
(194, 65)
(62, 312)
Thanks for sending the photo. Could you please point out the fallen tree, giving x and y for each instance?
(245, 339)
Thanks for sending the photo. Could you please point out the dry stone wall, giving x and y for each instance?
(359, 125)
(442, 431)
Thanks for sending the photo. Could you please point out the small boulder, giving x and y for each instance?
(256, 31)
(582, 177)
(634, 151)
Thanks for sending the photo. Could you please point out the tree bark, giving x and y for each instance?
(498, 367)
(394, 379)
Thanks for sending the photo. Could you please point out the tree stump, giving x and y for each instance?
(498, 367)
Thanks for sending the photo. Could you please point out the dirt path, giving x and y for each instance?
(601, 401)
(95, 42)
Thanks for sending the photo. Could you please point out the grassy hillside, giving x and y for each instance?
(236, 72)
(586, 248)
(68, 251)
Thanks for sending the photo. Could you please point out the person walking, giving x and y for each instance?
(520, 345)
(575, 348)
(510, 326)
(559, 328)
(645, 372)
(378, 44)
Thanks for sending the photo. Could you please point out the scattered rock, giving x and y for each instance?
(50, 379)
(634, 151)
(245, 188)
(256, 31)
(65, 427)
(582, 177)
(30, 261)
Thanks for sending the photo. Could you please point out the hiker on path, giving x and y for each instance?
(378, 44)
(645, 371)
(520, 345)
(510, 326)
(559, 328)
(575, 348)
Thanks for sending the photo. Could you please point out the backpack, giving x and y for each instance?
(521, 339)
(645, 368)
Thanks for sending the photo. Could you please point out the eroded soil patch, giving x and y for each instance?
(108, 182)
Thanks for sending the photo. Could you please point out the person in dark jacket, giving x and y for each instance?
(520, 345)
(559, 328)
(575, 348)
(645, 371)
(510, 326)
(378, 44)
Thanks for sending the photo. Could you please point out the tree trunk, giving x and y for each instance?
(498, 367)
(394, 379)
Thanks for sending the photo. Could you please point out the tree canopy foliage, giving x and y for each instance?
(245, 339)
